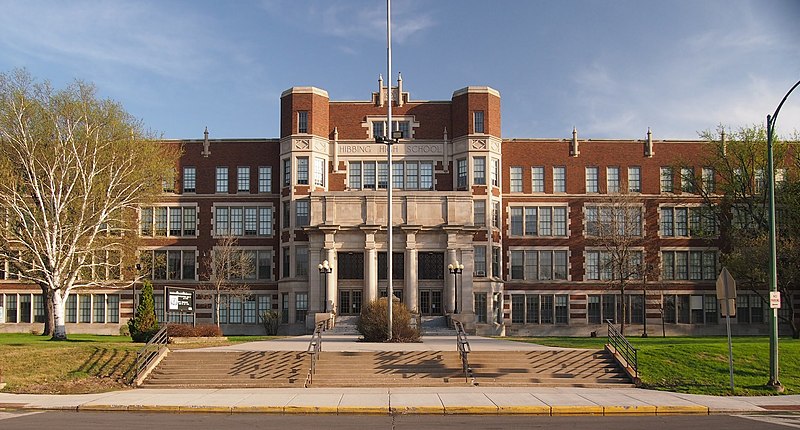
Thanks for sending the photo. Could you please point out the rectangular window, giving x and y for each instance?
(265, 179)
(612, 179)
(285, 308)
(243, 179)
(302, 212)
(378, 129)
(516, 221)
(175, 221)
(430, 265)
(286, 220)
(319, 171)
(355, 175)
(684, 265)
(146, 221)
(666, 179)
(496, 261)
(562, 309)
(286, 262)
(559, 179)
(546, 309)
(426, 175)
(237, 221)
(478, 116)
(398, 168)
(709, 182)
(189, 221)
(222, 180)
(480, 307)
(412, 175)
(161, 221)
(667, 222)
(250, 221)
(480, 261)
(479, 170)
(99, 307)
(300, 307)
(265, 221)
(369, 175)
(496, 214)
(350, 265)
(383, 175)
(545, 221)
(302, 121)
(687, 180)
(461, 173)
(287, 172)
(71, 309)
(593, 309)
(517, 308)
(38, 308)
(479, 215)
(591, 180)
(189, 179)
(112, 307)
(302, 170)
(301, 261)
(265, 265)
(634, 179)
(532, 309)
(495, 172)
(537, 179)
(398, 265)
(85, 309)
(539, 265)
(515, 177)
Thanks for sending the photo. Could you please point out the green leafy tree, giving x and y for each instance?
(73, 170)
(145, 324)
(738, 201)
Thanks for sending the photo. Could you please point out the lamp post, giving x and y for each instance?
(773, 382)
(455, 269)
(325, 269)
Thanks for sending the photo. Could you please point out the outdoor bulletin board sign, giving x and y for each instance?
(179, 300)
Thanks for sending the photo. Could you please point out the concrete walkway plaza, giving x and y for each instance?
(444, 400)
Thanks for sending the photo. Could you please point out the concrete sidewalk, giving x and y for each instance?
(455, 400)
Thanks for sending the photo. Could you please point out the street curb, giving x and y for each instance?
(568, 410)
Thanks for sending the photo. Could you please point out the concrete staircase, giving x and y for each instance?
(571, 368)
(345, 325)
(252, 369)
(436, 326)
(389, 369)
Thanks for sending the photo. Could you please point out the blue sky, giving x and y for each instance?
(611, 69)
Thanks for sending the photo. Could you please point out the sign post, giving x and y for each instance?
(726, 292)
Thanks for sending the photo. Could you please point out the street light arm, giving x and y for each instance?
(778, 109)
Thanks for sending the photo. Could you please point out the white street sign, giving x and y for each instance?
(774, 299)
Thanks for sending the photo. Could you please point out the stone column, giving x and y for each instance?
(331, 284)
(410, 272)
(370, 267)
(466, 297)
(315, 287)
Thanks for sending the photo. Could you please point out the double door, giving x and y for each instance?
(430, 302)
(350, 301)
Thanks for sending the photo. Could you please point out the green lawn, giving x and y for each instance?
(699, 365)
(83, 364)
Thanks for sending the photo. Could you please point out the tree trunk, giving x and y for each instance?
(216, 307)
(47, 296)
(59, 304)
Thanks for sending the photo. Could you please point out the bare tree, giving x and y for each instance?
(615, 227)
(228, 268)
(73, 169)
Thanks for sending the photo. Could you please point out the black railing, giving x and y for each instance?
(623, 349)
(313, 350)
(151, 351)
(463, 349)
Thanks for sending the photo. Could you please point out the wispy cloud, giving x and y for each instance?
(133, 35)
(359, 20)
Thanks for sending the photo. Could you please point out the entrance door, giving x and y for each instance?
(397, 292)
(430, 302)
(349, 302)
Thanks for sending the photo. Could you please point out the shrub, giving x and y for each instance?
(373, 322)
(270, 320)
(144, 325)
(187, 330)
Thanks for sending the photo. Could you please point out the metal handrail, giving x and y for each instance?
(314, 348)
(150, 351)
(463, 349)
(623, 348)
